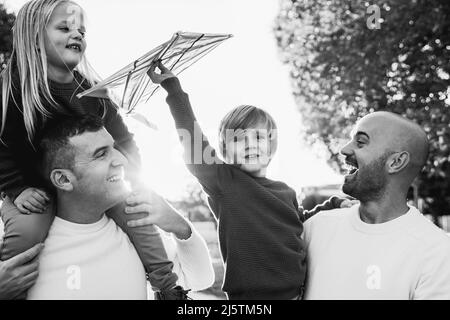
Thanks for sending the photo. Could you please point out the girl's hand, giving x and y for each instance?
(159, 77)
(32, 200)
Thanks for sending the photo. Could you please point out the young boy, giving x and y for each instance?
(260, 224)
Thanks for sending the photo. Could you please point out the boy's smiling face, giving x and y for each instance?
(249, 149)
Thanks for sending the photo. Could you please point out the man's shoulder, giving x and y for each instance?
(325, 224)
(330, 215)
(328, 218)
(427, 233)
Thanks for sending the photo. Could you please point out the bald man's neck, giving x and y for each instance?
(391, 204)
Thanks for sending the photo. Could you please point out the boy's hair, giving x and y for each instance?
(244, 117)
(28, 62)
(55, 150)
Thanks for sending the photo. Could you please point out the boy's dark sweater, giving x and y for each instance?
(18, 158)
(260, 224)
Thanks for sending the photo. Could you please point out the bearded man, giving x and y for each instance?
(382, 248)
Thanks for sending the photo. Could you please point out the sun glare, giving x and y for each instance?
(212, 84)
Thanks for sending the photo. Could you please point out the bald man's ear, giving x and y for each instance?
(62, 179)
(398, 161)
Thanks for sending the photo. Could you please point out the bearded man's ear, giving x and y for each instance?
(398, 161)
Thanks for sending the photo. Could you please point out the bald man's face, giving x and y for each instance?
(384, 148)
(366, 154)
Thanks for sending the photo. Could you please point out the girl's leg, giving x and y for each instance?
(22, 231)
(150, 248)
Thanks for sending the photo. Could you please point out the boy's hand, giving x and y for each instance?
(32, 200)
(159, 77)
(347, 203)
(158, 211)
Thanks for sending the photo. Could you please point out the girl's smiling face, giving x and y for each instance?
(64, 39)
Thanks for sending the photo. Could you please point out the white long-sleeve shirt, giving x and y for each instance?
(405, 258)
(192, 261)
(98, 261)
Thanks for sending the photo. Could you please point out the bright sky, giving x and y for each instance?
(245, 69)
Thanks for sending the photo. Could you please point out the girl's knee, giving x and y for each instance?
(22, 231)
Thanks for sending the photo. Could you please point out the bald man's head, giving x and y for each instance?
(385, 148)
(402, 134)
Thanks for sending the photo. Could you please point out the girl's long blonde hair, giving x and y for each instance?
(29, 60)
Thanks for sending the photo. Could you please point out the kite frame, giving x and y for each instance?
(139, 91)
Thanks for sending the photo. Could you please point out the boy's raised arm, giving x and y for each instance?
(199, 156)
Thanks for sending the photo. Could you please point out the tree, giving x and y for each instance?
(194, 204)
(351, 57)
(6, 24)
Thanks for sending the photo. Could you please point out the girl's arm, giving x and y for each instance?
(16, 152)
(12, 181)
(12, 177)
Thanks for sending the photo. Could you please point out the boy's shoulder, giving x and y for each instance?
(279, 187)
(238, 173)
(279, 183)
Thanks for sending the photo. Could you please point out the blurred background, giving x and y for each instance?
(316, 66)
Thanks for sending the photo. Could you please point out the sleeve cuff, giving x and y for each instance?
(172, 85)
(336, 201)
(191, 237)
(13, 193)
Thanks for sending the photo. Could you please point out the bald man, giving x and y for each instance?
(382, 248)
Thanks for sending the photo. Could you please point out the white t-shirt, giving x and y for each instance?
(88, 261)
(98, 261)
(405, 258)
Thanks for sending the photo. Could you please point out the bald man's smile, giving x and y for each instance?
(352, 167)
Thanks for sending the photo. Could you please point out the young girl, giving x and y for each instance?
(46, 71)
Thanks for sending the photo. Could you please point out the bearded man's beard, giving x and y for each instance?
(370, 181)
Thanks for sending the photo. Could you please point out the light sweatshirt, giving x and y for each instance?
(405, 258)
(98, 261)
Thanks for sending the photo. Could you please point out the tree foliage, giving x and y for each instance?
(6, 24)
(194, 204)
(343, 67)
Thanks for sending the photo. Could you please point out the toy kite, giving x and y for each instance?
(177, 54)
